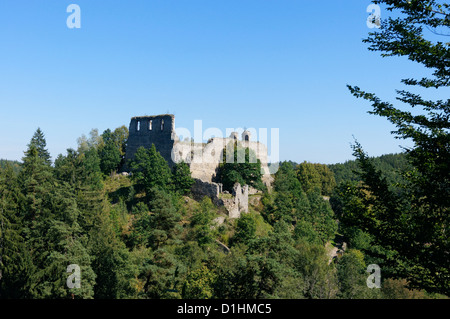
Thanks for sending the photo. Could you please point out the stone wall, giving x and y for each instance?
(204, 159)
(235, 205)
(147, 130)
(201, 189)
(239, 202)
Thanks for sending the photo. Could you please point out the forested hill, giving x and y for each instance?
(390, 164)
(15, 164)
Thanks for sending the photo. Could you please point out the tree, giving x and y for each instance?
(181, 179)
(245, 229)
(94, 141)
(199, 284)
(109, 153)
(36, 179)
(415, 222)
(288, 196)
(240, 165)
(38, 140)
(155, 227)
(150, 171)
(15, 259)
(351, 270)
(81, 171)
(120, 138)
(111, 261)
(202, 223)
(55, 240)
(316, 175)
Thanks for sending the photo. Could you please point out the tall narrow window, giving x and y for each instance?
(138, 126)
(162, 125)
(150, 125)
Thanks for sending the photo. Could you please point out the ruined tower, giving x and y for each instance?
(147, 130)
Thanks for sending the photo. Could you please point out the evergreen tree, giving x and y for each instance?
(109, 153)
(239, 165)
(38, 140)
(181, 179)
(36, 181)
(414, 222)
(82, 173)
(245, 229)
(15, 261)
(111, 261)
(202, 223)
(150, 171)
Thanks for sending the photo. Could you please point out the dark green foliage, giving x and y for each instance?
(155, 226)
(291, 204)
(413, 222)
(150, 171)
(201, 222)
(109, 153)
(111, 261)
(15, 260)
(182, 179)
(16, 166)
(154, 243)
(38, 140)
(245, 229)
(391, 165)
(159, 274)
(81, 171)
(239, 165)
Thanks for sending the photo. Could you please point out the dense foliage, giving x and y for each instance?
(410, 222)
(390, 164)
(239, 165)
(140, 236)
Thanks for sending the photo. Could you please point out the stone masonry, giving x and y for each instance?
(202, 158)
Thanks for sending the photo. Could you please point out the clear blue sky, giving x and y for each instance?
(230, 63)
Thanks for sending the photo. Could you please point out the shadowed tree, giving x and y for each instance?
(413, 222)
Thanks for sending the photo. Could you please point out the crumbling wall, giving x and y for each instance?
(201, 189)
(235, 205)
(238, 203)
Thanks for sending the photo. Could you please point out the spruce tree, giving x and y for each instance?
(414, 222)
(150, 171)
(39, 141)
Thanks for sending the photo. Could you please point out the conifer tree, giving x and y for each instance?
(39, 141)
(414, 223)
(150, 171)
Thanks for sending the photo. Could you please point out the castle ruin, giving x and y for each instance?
(202, 158)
